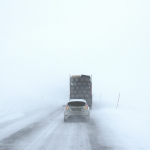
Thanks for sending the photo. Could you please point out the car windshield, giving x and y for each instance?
(76, 104)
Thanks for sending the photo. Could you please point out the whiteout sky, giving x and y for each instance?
(43, 42)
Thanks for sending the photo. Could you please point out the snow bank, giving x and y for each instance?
(123, 128)
(9, 112)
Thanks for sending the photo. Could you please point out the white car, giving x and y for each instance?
(76, 107)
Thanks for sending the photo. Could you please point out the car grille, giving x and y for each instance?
(76, 109)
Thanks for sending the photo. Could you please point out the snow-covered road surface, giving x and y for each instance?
(45, 129)
(49, 132)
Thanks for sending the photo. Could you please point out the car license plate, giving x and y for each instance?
(76, 109)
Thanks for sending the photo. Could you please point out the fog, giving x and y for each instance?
(43, 42)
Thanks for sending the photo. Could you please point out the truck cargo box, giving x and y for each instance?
(81, 88)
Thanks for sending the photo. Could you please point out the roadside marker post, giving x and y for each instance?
(118, 100)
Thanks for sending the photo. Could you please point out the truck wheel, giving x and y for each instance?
(90, 107)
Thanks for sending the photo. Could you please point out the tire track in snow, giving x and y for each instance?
(52, 132)
(40, 139)
(21, 138)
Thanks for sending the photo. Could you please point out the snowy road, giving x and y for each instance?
(49, 133)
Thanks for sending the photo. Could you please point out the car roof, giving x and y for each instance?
(77, 100)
